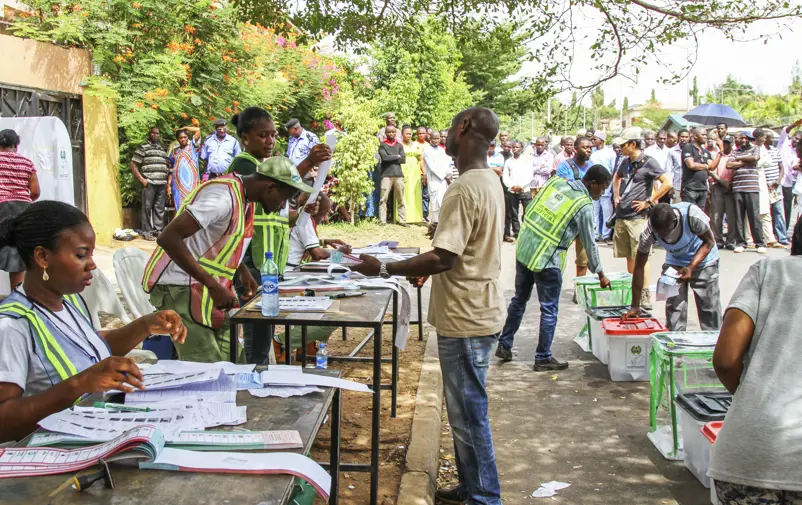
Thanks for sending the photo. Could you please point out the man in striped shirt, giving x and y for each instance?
(149, 165)
(746, 192)
(774, 177)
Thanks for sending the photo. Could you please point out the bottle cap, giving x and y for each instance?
(322, 345)
(269, 255)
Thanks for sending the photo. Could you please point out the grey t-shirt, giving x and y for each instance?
(760, 444)
(698, 222)
(644, 171)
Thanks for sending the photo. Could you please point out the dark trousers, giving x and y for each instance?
(722, 205)
(788, 203)
(154, 198)
(748, 207)
(694, 196)
(511, 222)
(257, 346)
(425, 197)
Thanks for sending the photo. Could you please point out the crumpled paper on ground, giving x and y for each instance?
(548, 489)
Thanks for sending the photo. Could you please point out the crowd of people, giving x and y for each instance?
(209, 255)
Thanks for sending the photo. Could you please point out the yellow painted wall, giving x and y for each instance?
(102, 157)
(32, 64)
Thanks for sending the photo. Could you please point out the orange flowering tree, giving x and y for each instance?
(173, 64)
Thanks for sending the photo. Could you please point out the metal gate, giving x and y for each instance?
(29, 102)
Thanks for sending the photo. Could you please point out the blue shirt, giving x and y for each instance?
(605, 157)
(219, 153)
(298, 148)
(566, 171)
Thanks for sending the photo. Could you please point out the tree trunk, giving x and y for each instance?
(352, 211)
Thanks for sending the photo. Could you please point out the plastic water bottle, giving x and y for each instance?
(322, 357)
(269, 286)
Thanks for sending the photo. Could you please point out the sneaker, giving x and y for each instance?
(452, 496)
(503, 353)
(777, 245)
(509, 239)
(646, 300)
(739, 249)
(729, 247)
(549, 365)
(761, 250)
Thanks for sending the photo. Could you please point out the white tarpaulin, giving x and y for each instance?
(45, 141)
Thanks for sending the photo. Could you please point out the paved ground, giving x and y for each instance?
(579, 427)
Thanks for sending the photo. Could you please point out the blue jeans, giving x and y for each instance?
(464, 362)
(602, 210)
(549, 284)
(778, 217)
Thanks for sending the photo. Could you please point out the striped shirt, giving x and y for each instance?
(773, 171)
(15, 177)
(152, 161)
(746, 179)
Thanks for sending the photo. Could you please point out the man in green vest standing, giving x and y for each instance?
(560, 212)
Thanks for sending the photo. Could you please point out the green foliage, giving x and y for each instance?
(422, 85)
(179, 64)
(760, 109)
(355, 155)
(694, 93)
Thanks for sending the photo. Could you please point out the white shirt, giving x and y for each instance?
(661, 155)
(518, 172)
(606, 158)
(302, 238)
(18, 363)
(212, 211)
(437, 163)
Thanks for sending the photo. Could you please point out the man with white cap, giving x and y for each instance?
(633, 195)
(603, 207)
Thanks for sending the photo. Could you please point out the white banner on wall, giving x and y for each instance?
(46, 142)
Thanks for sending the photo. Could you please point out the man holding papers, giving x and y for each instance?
(683, 230)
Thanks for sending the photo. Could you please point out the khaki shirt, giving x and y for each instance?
(467, 301)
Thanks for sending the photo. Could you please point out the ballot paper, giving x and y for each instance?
(316, 282)
(108, 425)
(404, 309)
(170, 366)
(171, 381)
(218, 391)
(284, 391)
(284, 375)
(667, 285)
(371, 250)
(320, 179)
(252, 463)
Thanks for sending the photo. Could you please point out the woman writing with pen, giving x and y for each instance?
(50, 356)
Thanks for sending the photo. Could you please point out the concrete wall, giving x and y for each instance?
(32, 64)
(102, 157)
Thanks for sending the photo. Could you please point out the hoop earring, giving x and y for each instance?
(45, 276)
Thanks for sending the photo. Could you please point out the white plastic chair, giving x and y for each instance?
(129, 267)
(101, 297)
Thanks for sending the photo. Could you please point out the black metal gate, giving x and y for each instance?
(29, 102)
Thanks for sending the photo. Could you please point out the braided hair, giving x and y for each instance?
(41, 224)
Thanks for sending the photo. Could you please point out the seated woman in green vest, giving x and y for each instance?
(50, 356)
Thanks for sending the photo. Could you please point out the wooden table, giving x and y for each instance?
(366, 311)
(305, 414)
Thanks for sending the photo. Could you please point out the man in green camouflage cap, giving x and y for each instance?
(200, 253)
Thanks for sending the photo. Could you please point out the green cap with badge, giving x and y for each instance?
(283, 170)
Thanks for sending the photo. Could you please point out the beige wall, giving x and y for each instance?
(34, 64)
(31, 64)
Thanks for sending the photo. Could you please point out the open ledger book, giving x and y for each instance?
(146, 444)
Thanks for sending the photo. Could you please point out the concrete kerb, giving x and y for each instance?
(419, 480)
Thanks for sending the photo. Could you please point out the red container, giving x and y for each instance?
(711, 429)
(635, 326)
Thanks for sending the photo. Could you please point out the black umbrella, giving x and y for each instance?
(713, 114)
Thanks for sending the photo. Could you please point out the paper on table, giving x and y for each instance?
(320, 179)
(170, 381)
(170, 366)
(284, 391)
(281, 378)
(221, 390)
(234, 462)
(112, 424)
(404, 309)
(371, 250)
(282, 439)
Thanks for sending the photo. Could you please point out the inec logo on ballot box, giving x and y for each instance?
(269, 287)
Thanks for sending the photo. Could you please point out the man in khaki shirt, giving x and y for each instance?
(466, 304)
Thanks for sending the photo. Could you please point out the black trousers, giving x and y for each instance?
(747, 206)
(154, 198)
(788, 204)
(513, 200)
(694, 196)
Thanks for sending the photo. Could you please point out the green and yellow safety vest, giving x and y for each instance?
(545, 222)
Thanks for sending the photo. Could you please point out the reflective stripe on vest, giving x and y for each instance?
(545, 222)
(271, 233)
(220, 261)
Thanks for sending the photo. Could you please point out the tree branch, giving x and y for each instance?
(709, 21)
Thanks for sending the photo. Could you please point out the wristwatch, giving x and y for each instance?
(383, 271)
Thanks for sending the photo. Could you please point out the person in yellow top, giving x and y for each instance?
(413, 197)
